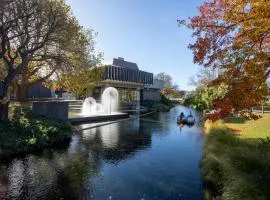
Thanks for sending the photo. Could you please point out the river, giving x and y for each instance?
(150, 158)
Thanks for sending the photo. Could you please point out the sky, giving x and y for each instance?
(143, 31)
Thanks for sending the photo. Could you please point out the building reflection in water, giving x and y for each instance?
(70, 173)
(118, 141)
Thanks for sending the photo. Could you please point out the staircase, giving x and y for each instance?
(75, 106)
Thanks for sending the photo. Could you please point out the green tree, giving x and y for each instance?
(39, 38)
(204, 96)
(81, 81)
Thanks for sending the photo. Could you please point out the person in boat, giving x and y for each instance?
(181, 116)
(190, 119)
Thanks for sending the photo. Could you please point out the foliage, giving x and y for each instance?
(166, 101)
(204, 97)
(17, 110)
(234, 36)
(81, 81)
(40, 39)
(235, 168)
(171, 93)
(24, 135)
(164, 105)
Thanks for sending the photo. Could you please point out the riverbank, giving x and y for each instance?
(24, 135)
(164, 105)
(236, 161)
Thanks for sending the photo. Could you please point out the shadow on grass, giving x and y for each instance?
(235, 168)
(235, 120)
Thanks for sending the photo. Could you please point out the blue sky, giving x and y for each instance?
(143, 31)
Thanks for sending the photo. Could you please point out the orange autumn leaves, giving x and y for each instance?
(234, 36)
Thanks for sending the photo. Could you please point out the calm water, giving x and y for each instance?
(148, 158)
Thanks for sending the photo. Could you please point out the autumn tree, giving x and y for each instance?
(81, 81)
(38, 39)
(234, 35)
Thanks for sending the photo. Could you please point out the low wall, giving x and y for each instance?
(51, 109)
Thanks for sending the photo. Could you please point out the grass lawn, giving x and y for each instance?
(254, 128)
(237, 166)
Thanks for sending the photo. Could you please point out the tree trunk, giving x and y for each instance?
(4, 112)
(21, 93)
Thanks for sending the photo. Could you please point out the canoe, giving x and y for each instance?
(190, 119)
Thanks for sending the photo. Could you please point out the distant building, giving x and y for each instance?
(152, 92)
(38, 91)
(127, 79)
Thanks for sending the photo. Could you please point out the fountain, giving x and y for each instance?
(109, 104)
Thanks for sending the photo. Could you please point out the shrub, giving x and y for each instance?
(164, 105)
(166, 101)
(24, 135)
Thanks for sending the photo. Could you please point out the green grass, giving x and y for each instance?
(253, 128)
(24, 135)
(238, 167)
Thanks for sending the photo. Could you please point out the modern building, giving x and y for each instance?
(152, 92)
(39, 91)
(128, 79)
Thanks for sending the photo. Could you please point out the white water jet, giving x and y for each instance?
(110, 100)
(109, 103)
(89, 106)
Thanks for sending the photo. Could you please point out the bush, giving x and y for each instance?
(19, 109)
(166, 101)
(24, 135)
(163, 105)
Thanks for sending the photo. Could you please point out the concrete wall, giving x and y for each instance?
(151, 94)
(157, 84)
(51, 109)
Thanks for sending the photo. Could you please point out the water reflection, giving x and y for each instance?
(138, 159)
(118, 141)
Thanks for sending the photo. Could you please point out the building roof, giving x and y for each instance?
(120, 62)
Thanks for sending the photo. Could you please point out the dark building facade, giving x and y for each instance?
(39, 91)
